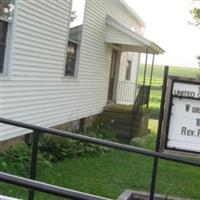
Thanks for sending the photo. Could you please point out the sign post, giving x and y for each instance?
(158, 139)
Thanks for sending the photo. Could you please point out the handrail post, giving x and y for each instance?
(157, 148)
(33, 166)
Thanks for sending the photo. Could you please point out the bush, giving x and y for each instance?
(16, 160)
(102, 131)
(147, 141)
(55, 148)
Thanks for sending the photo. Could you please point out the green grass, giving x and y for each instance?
(153, 125)
(111, 174)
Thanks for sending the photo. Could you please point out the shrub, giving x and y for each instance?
(55, 148)
(16, 160)
(138, 142)
(102, 131)
(147, 141)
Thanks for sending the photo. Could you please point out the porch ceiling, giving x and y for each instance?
(116, 33)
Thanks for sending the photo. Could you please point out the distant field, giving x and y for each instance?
(159, 70)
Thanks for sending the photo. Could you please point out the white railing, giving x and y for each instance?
(126, 92)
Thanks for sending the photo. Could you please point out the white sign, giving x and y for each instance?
(184, 124)
(186, 90)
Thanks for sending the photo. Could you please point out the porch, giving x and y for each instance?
(131, 120)
(127, 100)
(124, 88)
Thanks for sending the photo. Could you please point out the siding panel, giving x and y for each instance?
(37, 92)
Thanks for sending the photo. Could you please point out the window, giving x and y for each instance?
(77, 15)
(128, 70)
(71, 59)
(3, 33)
(6, 13)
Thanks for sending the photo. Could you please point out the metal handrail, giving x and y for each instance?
(74, 195)
(47, 188)
(141, 99)
(97, 141)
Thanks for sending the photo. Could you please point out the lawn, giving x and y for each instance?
(109, 175)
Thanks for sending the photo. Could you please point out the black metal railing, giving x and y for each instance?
(126, 92)
(141, 99)
(145, 94)
(47, 188)
(42, 187)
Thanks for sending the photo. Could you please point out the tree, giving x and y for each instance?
(196, 12)
(73, 16)
(6, 9)
(198, 59)
(196, 16)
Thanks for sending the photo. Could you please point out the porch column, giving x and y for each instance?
(152, 68)
(145, 67)
(151, 75)
(145, 73)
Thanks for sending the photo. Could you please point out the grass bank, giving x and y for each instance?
(109, 175)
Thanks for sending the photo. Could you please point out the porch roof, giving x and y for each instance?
(117, 33)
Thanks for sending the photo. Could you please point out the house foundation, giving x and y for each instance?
(76, 126)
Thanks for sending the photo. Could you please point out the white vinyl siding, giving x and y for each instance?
(37, 92)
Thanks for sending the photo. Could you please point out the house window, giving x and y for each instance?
(71, 59)
(3, 33)
(75, 34)
(128, 70)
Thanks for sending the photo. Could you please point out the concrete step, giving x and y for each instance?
(121, 119)
(118, 108)
(119, 116)
(114, 114)
(124, 129)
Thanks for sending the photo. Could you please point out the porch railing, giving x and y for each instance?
(58, 191)
(126, 92)
(141, 99)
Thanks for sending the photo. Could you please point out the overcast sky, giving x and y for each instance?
(167, 25)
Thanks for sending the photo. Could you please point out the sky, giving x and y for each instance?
(167, 25)
(78, 6)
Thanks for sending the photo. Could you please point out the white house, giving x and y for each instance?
(51, 74)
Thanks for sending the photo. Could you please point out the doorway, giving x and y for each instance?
(113, 77)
